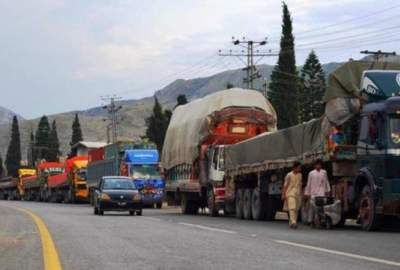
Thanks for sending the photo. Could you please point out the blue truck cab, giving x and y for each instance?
(143, 167)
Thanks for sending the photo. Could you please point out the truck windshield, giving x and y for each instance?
(81, 174)
(144, 172)
(395, 130)
(118, 184)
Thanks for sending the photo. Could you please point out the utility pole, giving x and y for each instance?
(112, 110)
(378, 54)
(249, 45)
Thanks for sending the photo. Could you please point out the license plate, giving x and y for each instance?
(122, 203)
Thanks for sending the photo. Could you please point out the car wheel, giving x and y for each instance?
(131, 213)
(139, 212)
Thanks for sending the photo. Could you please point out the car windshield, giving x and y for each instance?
(395, 130)
(144, 172)
(114, 183)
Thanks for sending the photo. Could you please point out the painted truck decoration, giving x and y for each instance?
(50, 181)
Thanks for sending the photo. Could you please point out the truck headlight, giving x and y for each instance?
(105, 197)
(137, 197)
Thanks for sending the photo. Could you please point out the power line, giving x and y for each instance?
(350, 20)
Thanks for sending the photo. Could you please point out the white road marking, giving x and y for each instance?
(340, 253)
(207, 228)
(153, 218)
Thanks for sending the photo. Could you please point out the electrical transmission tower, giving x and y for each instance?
(112, 110)
(249, 45)
(378, 54)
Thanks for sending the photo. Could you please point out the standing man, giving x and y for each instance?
(291, 193)
(317, 186)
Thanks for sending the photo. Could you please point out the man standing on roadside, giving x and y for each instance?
(291, 193)
(317, 186)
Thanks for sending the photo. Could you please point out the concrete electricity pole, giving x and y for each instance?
(112, 110)
(249, 45)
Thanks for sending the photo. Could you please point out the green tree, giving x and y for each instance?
(312, 89)
(157, 125)
(54, 144)
(31, 152)
(42, 138)
(13, 157)
(181, 100)
(284, 83)
(76, 134)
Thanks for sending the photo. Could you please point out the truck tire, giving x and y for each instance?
(71, 195)
(189, 207)
(247, 196)
(239, 203)
(212, 208)
(369, 219)
(257, 205)
(271, 208)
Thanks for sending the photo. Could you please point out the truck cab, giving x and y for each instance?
(143, 167)
(376, 190)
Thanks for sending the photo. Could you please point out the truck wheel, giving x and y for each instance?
(247, 196)
(257, 205)
(369, 219)
(239, 203)
(189, 207)
(71, 195)
(213, 211)
(271, 208)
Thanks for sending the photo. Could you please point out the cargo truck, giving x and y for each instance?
(125, 159)
(70, 185)
(196, 137)
(358, 140)
(33, 183)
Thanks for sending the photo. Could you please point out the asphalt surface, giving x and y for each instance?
(165, 239)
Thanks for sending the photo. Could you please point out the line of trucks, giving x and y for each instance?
(75, 179)
(223, 151)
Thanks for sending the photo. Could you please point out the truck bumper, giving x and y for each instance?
(150, 199)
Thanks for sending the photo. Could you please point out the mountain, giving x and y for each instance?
(134, 112)
(7, 115)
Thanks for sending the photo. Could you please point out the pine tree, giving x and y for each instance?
(312, 89)
(1, 166)
(157, 125)
(42, 138)
(54, 144)
(76, 135)
(284, 78)
(181, 100)
(13, 157)
(31, 153)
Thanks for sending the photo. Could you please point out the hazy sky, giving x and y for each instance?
(60, 55)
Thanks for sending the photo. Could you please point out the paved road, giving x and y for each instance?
(164, 239)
